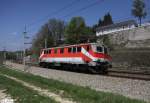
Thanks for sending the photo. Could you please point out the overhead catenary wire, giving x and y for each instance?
(55, 12)
(84, 8)
(69, 14)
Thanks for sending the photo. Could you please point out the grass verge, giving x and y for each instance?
(20, 93)
(77, 93)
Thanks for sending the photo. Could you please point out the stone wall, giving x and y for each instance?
(131, 57)
(137, 37)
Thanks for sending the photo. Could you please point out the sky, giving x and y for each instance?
(16, 14)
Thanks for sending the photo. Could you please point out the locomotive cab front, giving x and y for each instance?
(102, 55)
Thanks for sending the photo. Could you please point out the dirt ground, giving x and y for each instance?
(4, 98)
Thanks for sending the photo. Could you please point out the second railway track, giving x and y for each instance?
(130, 74)
(117, 72)
(139, 75)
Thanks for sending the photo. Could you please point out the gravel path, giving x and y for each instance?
(41, 91)
(4, 98)
(138, 89)
(2, 94)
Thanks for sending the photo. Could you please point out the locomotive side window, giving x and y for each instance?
(45, 51)
(78, 49)
(69, 50)
(61, 50)
(105, 50)
(55, 51)
(99, 49)
(49, 51)
(88, 48)
(74, 49)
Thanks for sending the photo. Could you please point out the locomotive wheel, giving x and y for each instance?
(93, 70)
(98, 70)
(104, 69)
(45, 65)
(42, 64)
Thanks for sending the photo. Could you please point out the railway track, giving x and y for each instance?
(117, 72)
(140, 75)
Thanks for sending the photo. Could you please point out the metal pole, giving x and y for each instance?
(45, 42)
(24, 50)
(4, 55)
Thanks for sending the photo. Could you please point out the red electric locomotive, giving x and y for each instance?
(90, 56)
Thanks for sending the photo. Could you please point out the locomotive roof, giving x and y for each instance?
(73, 45)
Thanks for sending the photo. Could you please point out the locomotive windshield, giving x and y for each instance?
(99, 49)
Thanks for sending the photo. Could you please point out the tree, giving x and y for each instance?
(77, 31)
(57, 28)
(139, 10)
(94, 28)
(39, 40)
(52, 32)
(107, 20)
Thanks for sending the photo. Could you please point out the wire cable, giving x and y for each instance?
(55, 12)
(71, 4)
(84, 8)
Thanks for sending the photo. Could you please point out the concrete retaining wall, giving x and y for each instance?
(137, 37)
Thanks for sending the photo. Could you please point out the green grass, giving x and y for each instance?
(77, 93)
(20, 93)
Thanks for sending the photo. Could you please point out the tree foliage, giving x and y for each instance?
(77, 31)
(139, 10)
(52, 32)
(56, 27)
(107, 20)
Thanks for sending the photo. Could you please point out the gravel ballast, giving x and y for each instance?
(138, 89)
